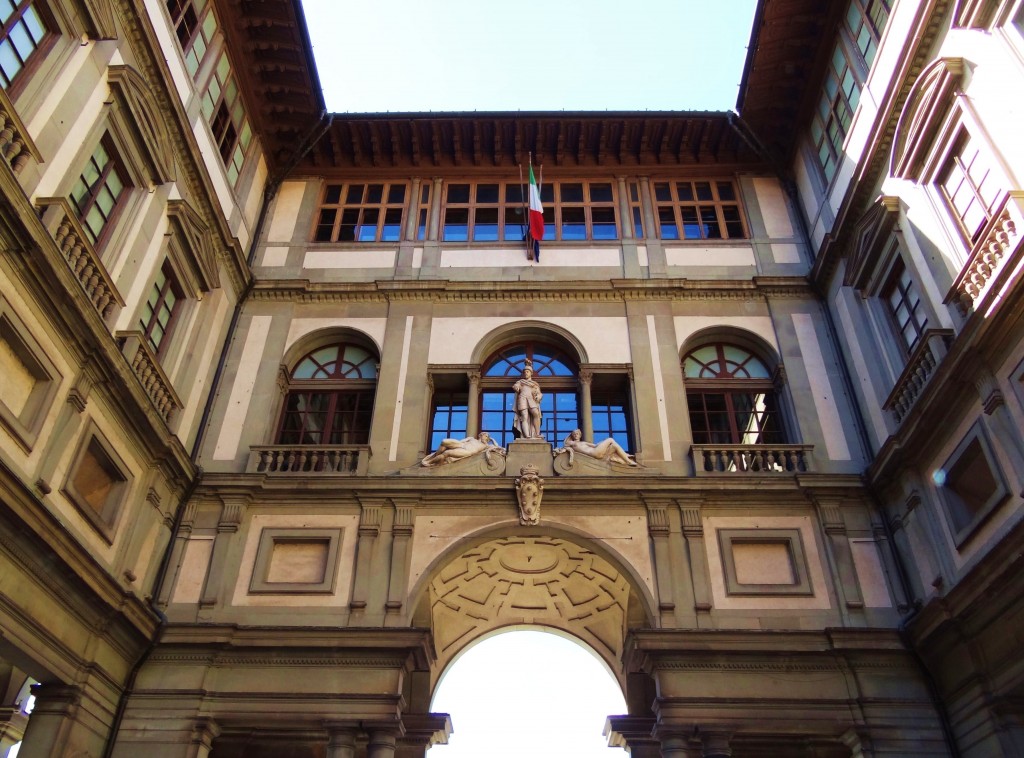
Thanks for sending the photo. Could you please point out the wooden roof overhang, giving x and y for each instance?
(273, 58)
(504, 139)
(789, 48)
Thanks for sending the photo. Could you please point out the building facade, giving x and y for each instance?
(233, 326)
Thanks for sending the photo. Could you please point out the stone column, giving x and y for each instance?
(625, 214)
(12, 727)
(342, 743)
(473, 404)
(382, 743)
(401, 532)
(227, 528)
(412, 209)
(434, 226)
(678, 746)
(716, 745)
(586, 406)
(369, 529)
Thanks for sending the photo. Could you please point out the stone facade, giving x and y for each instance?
(232, 325)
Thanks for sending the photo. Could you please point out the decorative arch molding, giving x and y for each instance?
(736, 336)
(925, 116)
(191, 238)
(130, 91)
(326, 336)
(871, 235)
(529, 330)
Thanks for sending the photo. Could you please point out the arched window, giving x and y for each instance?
(731, 397)
(552, 369)
(330, 397)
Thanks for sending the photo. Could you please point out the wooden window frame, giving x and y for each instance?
(445, 404)
(228, 120)
(680, 205)
(836, 109)
(39, 48)
(636, 208)
(361, 208)
(902, 286)
(423, 212)
(114, 165)
(866, 21)
(169, 286)
(955, 160)
(202, 15)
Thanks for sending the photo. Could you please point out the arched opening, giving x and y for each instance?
(527, 691)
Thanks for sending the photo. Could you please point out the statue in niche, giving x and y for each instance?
(608, 450)
(529, 490)
(528, 414)
(456, 450)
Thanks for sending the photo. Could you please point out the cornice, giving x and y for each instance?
(608, 291)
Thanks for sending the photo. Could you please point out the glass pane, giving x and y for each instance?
(486, 225)
(513, 193)
(662, 192)
(574, 224)
(396, 194)
(332, 196)
(571, 193)
(458, 193)
(374, 193)
(456, 224)
(487, 193)
(667, 222)
(601, 193)
(355, 194)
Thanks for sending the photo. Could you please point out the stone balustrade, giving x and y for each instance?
(60, 219)
(151, 376)
(922, 364)
(751, 459)
(309, 460)
(998, 241)
(16, 146)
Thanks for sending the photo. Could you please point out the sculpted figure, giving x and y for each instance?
(528, 395)
(608, 450)
(453, 450)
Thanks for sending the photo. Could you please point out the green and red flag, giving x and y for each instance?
(536, 210)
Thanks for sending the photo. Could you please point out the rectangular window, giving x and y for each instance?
(558, 409)
(496, 212)
(362, 213)
(100, 190)
(834, 113)
(23, 31)
(195, 26)
(636, 210)
(734, 417)
(905, 307)
(866, 19)
(448, 418)
(160, 308)
(697, 210)
(225, 113)
(611, 417)
(423, 213)
(972, 186)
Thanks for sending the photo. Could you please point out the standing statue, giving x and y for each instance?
(607, 450)
(453, 450)
(528, 395)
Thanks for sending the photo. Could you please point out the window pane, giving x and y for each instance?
(571, 193)
(601, 193)
(487, 193)
(485, 227)
(458, 193)
(456, 224)
(667, 222)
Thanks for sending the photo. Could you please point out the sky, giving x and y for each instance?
(465, 55)
(528, 694)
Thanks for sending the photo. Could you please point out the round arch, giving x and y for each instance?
(529, 330)
(557, 577)
(744, 338)
(320, 337)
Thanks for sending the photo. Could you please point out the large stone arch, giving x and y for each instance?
(516, 331)
(554, 578)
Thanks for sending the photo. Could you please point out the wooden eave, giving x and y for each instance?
(505, 139)
(272, 57)
(789, 47)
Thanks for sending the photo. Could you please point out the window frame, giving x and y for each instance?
(203, 14)
(677, 204)
(952, 158)
(171, 285)
(381, 207)
(39, 50)
(104, 520)
(212, 106)
(918, 315)
(117, 166)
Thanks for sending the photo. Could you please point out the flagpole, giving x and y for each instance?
(523, 226)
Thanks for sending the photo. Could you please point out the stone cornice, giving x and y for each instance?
(609, 291)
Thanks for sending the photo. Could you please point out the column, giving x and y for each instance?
(227, 526)
(49, 729)
(342, 743)
(12, 727)
(586, 406)
(473, 404)
(412, 210)
(678, 746)
(401, 534)
(625, 216)
(369, 529)
(382, 743)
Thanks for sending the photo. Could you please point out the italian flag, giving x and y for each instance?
(536, 210)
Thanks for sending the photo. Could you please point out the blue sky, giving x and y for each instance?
(465, 55)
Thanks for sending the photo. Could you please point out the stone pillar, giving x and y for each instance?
(402, 532)
(473, 404)
(434, 227)
(382, 743)
(715, 745)
(412, 210)
(342, 743)
(12, 727)
(678, 746)
(50, 731)
(369, 529)
(178, 550)
(227, 528)
(586, 406)
(625, 214)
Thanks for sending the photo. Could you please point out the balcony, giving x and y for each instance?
(16, 146)
(309, 460)
(709, 460)
(61, 222)
(149, 373)
(922, 364)
(995, 257)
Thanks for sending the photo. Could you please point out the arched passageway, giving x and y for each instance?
(527, 692)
